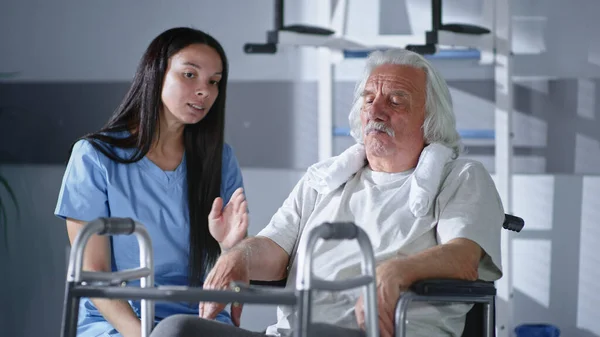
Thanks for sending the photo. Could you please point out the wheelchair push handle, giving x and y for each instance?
(116, 226)
(513, 223)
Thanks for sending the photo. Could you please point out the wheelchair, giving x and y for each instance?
(79, 283)
(480, 320)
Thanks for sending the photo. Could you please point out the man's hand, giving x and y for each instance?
(232, 266)
(389, 288)
(457, 259)
(229, 225)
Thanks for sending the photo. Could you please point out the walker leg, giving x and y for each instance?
(70, 312)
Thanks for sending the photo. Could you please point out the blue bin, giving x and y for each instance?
(537, 330)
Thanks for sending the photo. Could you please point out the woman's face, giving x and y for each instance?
(191, 84)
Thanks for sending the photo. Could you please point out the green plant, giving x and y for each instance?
(4, 183)
(11, 74)
(3, 206)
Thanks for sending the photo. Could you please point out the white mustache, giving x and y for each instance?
(379, 126)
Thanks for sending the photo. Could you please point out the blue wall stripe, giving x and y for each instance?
(453, 54)
(464, 133)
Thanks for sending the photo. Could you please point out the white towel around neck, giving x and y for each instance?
(331, 173)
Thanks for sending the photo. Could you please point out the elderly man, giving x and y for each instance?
(427, 213)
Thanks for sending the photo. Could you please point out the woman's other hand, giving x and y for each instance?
(229, 225)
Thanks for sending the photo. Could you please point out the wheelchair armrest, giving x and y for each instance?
(444, 291)
(448, 287)
(278, 283)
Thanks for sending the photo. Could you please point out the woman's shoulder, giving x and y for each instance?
(85, 153)
(229, 158)
(95, 148)
(227, 149)
(83, 147)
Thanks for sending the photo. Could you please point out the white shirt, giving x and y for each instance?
(467, 206)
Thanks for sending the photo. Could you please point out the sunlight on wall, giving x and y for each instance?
(587, 154)
(531, 269)
(537, 210)
(594, 51)
(586, 98)
(588, 308)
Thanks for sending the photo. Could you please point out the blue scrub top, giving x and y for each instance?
(94, 186)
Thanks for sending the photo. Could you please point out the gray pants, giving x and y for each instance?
(193, 326)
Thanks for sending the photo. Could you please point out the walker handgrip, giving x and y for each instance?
(339, 231)
(117, 226)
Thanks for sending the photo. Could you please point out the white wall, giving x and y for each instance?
(555, 259)
(67, 40)
(104, 40)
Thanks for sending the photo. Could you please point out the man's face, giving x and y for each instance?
(393, 109)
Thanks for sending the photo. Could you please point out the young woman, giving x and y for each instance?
(161, 160)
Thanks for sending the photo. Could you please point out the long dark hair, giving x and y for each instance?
(203, 141)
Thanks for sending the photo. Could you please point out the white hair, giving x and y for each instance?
(440, 123)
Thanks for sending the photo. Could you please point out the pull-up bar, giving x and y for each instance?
(270, 47)
(317, 36)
